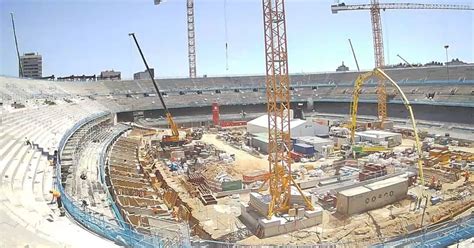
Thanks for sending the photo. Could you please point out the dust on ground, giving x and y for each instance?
(244, 162)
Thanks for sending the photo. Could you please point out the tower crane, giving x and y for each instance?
(191, 37)
(375, 6)
(278, 109)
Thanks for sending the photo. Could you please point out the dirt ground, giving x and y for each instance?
(367, 228)
(244, 162)
(356, 231)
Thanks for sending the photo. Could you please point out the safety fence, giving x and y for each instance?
(117, 231)
(440, 235)
(122, 233)
(102, 161)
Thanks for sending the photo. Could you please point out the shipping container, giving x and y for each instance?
(232, 185)
(304, 149)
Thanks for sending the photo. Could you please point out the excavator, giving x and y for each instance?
(166, 140)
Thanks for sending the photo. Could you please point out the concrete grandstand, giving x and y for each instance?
(79, 125)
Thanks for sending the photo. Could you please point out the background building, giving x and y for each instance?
(144, 74)
(110, 74)
(32, 65)
(342, 67)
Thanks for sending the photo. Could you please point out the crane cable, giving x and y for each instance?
(226, 37)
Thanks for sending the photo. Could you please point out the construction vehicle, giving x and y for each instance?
(374, 7)
(377, 72)
(357, 151)
(362, 150)
(167, 140)
(434, 184)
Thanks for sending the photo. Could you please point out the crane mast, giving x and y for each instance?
(191, 39)
(278, 108)
(379, 58)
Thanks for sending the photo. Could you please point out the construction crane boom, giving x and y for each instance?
(384, 6)
(169, 117)
(353, 54)
(404, 60)
(379, 73)
(20, 67)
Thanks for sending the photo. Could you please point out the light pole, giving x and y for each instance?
(447, 68)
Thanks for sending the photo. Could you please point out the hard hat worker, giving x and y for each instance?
(56, 195)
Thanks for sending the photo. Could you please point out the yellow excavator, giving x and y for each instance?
(377, 72)
(172, 139)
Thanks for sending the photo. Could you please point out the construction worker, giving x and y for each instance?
(84, 205)
(56, 195)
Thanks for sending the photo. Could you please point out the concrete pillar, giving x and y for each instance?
(309, 104)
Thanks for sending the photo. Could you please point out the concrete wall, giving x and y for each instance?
(373, 199)
(422, 111)
(125, 117)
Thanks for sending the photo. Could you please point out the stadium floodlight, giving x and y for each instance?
(447, 61)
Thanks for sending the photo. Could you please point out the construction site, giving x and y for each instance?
(362, 192)
(366, 158)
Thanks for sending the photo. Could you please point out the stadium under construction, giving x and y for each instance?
(374, 158)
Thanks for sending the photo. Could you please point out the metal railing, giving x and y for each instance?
(122, 233)
(117, 230)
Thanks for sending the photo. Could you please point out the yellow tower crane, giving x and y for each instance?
(278, 108)
(375, 6)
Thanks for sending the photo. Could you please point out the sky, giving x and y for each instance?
(88, 36)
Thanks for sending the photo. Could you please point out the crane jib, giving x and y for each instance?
(151, 75)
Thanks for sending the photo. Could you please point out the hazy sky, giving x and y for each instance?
(86, 36)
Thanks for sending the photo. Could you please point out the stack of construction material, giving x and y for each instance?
(372, 171)
(259, 175)
(177, 155)
(260, 202)
(439, 154)
(297, 198)
(227, 158)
